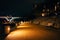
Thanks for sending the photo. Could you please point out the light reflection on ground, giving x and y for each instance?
(32, 33)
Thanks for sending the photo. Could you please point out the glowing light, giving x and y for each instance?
(7, 29)
(24, 34)
(43, 14)
(21, 34)
(23, 25)
(50, 24)
(21, 21)
(55, 7)
(43, 10)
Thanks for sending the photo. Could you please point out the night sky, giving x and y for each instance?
(17, 7)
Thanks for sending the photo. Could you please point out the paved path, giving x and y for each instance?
(32, 32)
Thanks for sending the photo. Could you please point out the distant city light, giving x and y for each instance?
(55, 7)
(43, 10)
(43, 14)
(50, 24)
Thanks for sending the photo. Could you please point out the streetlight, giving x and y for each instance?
(43, 14)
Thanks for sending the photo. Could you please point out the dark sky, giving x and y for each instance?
(17, 7)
